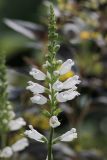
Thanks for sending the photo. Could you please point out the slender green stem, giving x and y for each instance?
(3, 140)
(50, 157)
(50, 144)
(52, 48)
(51, 129)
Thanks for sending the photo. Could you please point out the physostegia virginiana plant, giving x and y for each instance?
(8, 122)
(55, 90)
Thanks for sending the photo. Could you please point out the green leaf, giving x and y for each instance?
(46, 113)
(57, 111)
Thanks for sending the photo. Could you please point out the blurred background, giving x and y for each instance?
(82, 28)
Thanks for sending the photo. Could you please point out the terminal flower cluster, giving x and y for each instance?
(60, 86)
(65, 91)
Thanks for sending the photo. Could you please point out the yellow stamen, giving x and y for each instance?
(66, 76)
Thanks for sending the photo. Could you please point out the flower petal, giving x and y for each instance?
(16, 124)
(39, 99)
(6, 152)
(33, 134)
(54, 122)
(20, 145)
(37, 74)
(58, 86)
(66, 66)
(35, 87)
(67, 95)
(68, 84)
(69, 136)
(71, 82)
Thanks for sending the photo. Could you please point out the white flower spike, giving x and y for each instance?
(69, 136)
(20, 145)
(60, 87)
(35, 87)
(16, 124)
(6, 152)
(33, 134)
(67, 95)
(39, 99)
(54, 122)
(66, 66)
(37, 74)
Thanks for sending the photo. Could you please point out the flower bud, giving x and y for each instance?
(54, 122)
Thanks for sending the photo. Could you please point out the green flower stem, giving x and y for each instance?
(52, 110)
(3, 103)
(3, 140)
(52, 49)
(50, 144)
(51, 129)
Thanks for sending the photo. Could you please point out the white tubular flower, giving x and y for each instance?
(20, 145)
(69, 136)
(33, 134)
(54, 122)
(16, 124)
(35, 87)
(68, 84)
(37, 74)
(71, 82)
(66, 66)
(67, 95)
(39, 99)
(6, 152)
(58, 86)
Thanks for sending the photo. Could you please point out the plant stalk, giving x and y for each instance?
(3, 143)
(50, 144)
(3, 140)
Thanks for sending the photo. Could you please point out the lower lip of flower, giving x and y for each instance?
(59, 86)
(65, 96)
(37, 98)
